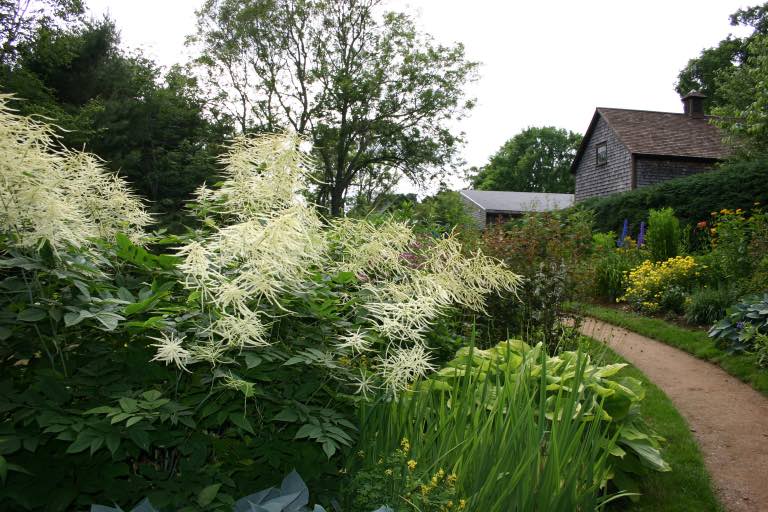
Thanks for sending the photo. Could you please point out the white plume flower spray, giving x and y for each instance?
(268, 248)
(50, 194)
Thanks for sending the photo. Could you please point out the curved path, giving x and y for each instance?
(728, 417)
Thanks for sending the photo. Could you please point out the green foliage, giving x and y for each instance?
(443, 212)
(549, 250)
(404, 483)
(663, 236)
(743, 321)
(470, 405)
(535, 160)
(150, 128)
(612, 265)
(707, 304)
(737, 184)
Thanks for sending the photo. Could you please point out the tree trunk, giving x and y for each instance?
(337, 201)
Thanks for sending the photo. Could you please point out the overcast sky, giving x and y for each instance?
(544, 63)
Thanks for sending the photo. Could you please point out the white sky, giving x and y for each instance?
(543, 62)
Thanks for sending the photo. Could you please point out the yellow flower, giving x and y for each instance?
(452, 479)
(449, 504)
(412, 464)
(388, 472)
(462, 504)
(405, 444)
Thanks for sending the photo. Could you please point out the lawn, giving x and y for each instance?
(695, 342)
(688, 486)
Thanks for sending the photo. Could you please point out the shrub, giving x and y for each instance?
(547, 249)
(663, 237)
(737, 184)
(649, 282)
(707, 304)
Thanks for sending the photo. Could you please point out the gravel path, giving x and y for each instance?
(728, 417)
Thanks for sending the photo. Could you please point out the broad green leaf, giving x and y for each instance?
(132, 421)
(81, 442)
(329, 447)
(128, 404)
(208, 494)
(31, 315)
(241, 421)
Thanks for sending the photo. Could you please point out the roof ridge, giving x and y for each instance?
(654, 112)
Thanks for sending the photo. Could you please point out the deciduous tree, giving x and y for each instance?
(370, 90)
(534, 160)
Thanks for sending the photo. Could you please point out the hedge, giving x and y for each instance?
(737, 184)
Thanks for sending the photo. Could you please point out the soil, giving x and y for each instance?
(728, 418)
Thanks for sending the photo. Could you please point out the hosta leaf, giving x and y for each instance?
(648, 454)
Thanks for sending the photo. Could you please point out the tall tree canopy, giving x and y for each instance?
(372, 92)
(20, 21)
(734, 75)
(534, 160)
(151, 128)
(706, 72)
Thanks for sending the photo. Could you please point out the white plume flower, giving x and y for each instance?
(355, 341)
(403, 365)
(170, 350)
(242, 330)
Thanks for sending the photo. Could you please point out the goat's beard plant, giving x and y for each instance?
(51, 195)
(264, 248)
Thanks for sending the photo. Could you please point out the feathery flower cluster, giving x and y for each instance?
(262, 173)
(405, 309)
(355, 341)
(170, 350)
(371, 250)
(269, 242)
(403, 365)
(50, 194)
(267, 250)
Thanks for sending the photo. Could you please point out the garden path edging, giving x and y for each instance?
(728, 418)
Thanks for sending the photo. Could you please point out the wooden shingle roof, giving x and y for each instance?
(661, 134)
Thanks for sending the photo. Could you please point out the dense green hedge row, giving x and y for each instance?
(735, 185)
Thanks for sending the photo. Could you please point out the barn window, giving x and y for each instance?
(601, 154)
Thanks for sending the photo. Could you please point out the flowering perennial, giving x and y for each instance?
(51, 194)
(648, 282)
(267, 243)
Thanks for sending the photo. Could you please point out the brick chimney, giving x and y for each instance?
(693, 104)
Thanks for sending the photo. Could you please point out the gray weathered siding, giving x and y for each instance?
(474, 210)
(651, 170)
(615, 176)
